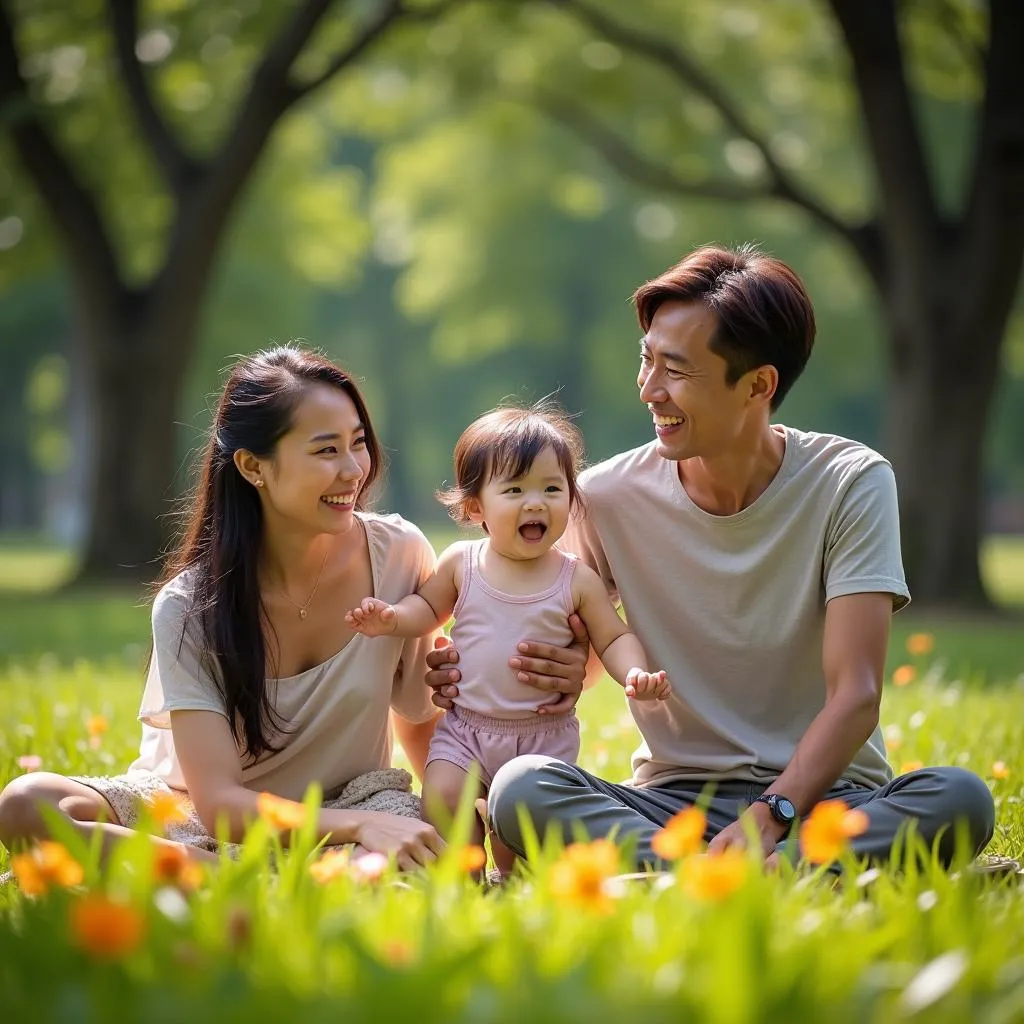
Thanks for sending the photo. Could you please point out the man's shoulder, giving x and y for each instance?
(611, 471)
(830, 457)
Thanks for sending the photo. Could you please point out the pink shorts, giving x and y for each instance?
(465, 737)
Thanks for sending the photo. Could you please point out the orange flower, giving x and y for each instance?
(396, 952)
(278, 813)
(105, 928)
(713, 877)
(96, 725)
(904, 675)
(578, 877)
(171, 864)
(333, 864)
(825, 833)
(46, 865)
(910, 766)
(1000, 770)
(166, 809)
(681, 836)
(920, 644)
(472, 858)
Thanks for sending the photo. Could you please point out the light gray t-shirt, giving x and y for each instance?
(337, 712)
(733, 607)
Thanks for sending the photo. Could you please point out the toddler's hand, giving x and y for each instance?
(642, 685)
(373, 618)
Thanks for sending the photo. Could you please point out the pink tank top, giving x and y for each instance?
(489, 624)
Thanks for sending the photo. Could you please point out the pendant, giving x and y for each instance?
(302, 613)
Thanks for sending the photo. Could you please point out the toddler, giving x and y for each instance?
(515, 473)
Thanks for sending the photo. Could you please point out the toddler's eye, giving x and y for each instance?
(552, 488)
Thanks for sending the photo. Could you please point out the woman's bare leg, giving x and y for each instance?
(21, 820)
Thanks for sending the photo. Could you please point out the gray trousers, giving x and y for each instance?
(568, 799)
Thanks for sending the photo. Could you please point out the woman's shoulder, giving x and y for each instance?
(173, 601)
(396, 533)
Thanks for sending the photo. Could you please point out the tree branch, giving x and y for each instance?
(373, 29)
(952, 24)
(686, 70)
(993, 222)
(911, 221)
(205, 209)
(71, 206)
(633, 164)
(171, 160)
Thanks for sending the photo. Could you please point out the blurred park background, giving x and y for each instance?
(455, 200)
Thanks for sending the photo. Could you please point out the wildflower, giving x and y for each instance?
(278, 813)
(713, 877)
(96, 726)
(171, 864)
(46, 865)
(920, 644)
(579, 875)
(910, 766)
(30, 762)
(472, 858)
(166, 809)
(369, 867)
(682, 834)
(904, 675)
(105, 928)
(893, 737)
(1000, 770)
(825, 833)
(333, 864)
(396, 952)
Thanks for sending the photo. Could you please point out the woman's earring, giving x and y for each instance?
(259, 483)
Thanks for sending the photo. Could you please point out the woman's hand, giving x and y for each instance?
(414, 843)
(555, 669)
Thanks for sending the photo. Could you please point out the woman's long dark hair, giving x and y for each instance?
(220, 544)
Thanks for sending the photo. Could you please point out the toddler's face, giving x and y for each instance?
(525, 516)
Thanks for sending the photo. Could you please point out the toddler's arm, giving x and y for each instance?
(417, 614)
(619, 650)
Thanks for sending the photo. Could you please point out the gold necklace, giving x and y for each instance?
(304, 607)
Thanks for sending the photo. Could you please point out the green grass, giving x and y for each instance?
(255, 944)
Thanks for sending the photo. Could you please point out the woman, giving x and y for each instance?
(256, 683)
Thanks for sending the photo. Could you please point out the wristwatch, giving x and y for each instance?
(782, 809)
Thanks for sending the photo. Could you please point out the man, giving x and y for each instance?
(760, 566)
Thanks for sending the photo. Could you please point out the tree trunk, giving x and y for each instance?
(134, 389)
(938, 404)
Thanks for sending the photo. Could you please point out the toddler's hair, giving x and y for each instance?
(504, 442)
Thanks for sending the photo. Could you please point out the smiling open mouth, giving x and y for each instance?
(533, 531)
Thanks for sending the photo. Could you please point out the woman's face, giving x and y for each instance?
(320, 465)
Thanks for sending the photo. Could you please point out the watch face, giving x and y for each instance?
(785, 809)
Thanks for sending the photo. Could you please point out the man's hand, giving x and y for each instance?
(767, 829)
(555, 669)
(443, 674)
(550, 668)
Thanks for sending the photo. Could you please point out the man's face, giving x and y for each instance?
(696, 414)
